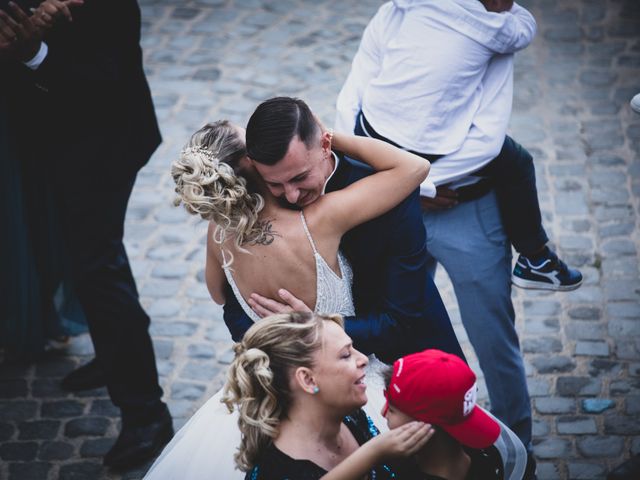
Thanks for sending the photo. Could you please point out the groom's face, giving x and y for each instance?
(299, 178)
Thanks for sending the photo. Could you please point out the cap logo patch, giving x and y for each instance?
(469, 400)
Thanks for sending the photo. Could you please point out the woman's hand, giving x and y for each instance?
(402, 441)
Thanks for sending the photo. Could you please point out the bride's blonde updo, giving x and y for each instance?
(208, 184)
(258, 380)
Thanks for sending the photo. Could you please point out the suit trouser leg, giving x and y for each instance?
(470, 243)
(93, 223)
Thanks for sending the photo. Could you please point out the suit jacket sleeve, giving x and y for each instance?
(236, 320)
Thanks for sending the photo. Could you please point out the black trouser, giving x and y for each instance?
(512, 175)
(93, 211)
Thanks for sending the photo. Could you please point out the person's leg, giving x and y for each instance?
(469, 242)
(513, 175)
(514, 178)
(93, 228)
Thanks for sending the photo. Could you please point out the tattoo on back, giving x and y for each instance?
(268, 234)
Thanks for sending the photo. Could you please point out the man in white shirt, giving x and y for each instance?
(436, 78)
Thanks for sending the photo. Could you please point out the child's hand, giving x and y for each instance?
(403, 441)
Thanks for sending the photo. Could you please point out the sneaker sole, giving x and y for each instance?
(531, 285)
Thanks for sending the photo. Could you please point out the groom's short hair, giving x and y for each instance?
(274, 124)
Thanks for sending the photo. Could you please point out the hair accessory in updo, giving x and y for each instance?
(199, 150)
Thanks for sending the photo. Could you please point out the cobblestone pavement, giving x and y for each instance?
(209, 59)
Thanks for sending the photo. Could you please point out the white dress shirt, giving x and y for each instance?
(436, 76)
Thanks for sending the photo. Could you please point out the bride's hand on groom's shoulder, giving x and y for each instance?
(288, 303)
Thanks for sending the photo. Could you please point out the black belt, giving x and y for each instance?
(370, 131)
(465, 194)
(475, 190)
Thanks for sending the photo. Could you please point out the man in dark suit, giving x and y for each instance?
(95, 121)
(398, 308)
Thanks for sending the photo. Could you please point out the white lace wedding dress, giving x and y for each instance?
(204, 447)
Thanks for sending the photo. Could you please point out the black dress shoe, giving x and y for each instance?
(87, 377)
(629, 470)
(139, 443)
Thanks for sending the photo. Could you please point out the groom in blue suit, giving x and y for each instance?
(398, 307)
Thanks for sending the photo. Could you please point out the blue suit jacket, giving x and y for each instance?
(399, 309)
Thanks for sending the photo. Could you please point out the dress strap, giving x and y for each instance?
(306, 230)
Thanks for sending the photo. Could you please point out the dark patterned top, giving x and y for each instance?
(276, 465)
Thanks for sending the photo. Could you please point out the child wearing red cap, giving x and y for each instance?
(439, 389)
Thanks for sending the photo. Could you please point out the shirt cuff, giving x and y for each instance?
(428, 189)
(37, 60)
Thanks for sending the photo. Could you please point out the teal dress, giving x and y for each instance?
(35, 302)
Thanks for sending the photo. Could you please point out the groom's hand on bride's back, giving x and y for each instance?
(287, 303)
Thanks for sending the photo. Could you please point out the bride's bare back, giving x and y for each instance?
(284, 259)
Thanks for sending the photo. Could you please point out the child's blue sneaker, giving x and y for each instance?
(548, 273)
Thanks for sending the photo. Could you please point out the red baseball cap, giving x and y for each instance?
(439, 388)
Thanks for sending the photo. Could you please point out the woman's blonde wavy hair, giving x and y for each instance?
(258, 379)
(208, 184)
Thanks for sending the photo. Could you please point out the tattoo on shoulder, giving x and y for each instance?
(268, 233)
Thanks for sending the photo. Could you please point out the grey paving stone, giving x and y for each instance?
(540, 428)
(538, 387)
(623, 386)
(15, 371)
(632, 405)
(29, 471)
(170, 270)
(541, 307)
(80, 471)
(553, 364)
(201, 351)
(615, 424)
(38, 430)
(580, 330)
(187, 391)
(597, 349)
(541, 345)
(18, 451)
(104, 408)
(173, 329)
(582, 470)
(551, 448)
(578, 386)
(623, 309)
(547, 405)
(86, 426)
(600, 446)
(47, 388)
(52, 451)
(61, 409)
(201, 371)
(160, 288)
(17, 411)
(162, 348)
(576, 425)
(624, 328)
(547, 471)
(96, 447)
(600, 366)
(164, 307)
(585, 312)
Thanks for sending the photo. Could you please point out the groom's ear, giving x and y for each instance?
(325, 140)
(303, 376)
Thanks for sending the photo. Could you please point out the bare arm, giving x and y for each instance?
(403, 441)
(213, 272)
(398, 173)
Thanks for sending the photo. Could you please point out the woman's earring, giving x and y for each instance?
(316, 390)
